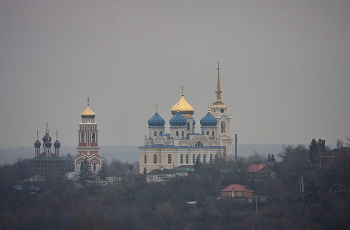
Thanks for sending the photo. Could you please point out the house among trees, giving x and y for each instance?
(161, 175)
(236, 190)
(261, 171)
(332, 157)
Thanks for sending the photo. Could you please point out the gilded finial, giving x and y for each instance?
(88, 101)
(178, 107)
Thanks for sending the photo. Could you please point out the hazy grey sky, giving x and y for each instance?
(285, 67)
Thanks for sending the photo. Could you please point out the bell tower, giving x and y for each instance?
(88, 141)
(219, 111)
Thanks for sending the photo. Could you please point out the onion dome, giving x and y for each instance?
(156, 120)
(208, 120)
(57, 144)
(88, 113)
(183, 107)
(48, 143)
(46, 137)
(37, 144)
(177, 120)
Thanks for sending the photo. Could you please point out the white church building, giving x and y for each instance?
(183, 145)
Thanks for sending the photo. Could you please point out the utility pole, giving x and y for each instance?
(236, 140)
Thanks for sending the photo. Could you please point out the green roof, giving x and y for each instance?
(43, 156)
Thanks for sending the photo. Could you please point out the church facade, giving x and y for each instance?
(47, 164)
(183, 145)
(88, 142)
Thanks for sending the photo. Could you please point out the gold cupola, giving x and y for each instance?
(88, 113)
(185, 109)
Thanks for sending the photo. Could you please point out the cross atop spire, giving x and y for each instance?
(182, 88)
(157, 107)
(88, 101)
(56, 134)
(37, 134)
(47, 127)
(218, 90)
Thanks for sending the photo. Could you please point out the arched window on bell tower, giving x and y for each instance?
(82, 137)
(222, 127)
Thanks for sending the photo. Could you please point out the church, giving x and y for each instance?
(47, 164)
(183, 145)
(88, 142)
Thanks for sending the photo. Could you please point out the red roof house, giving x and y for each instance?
(236, 190)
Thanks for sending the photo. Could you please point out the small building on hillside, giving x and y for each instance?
(259, 172)
(115, 178)
(334, 156)
(162, 175)
(236, 190)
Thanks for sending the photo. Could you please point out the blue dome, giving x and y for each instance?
(208, 120)
(156, 120)
(48, 143)
(37, 144)
(177, 120)
(57, 144)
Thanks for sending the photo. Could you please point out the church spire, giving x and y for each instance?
(218, 90)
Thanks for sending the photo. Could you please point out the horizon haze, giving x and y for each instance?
(284, 67)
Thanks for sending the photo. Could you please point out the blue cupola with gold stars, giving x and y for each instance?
(156, 125)
(208, 120)
(177, 120)
(156, 120)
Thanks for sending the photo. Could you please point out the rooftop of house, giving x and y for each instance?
(255, 167)
(235, 187)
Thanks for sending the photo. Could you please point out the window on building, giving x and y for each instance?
(181, 159)
(216, 158)
(145, 158)
(160, 133)
(202, 132)
(188, 125)
(82, 137)
(198, 158)
(199, 143)
(207, 132)
(186, 158)
(177, 133)
(182, 133)
(94, 167)
(169, 158)
(223, 127)
(155, 133)
(155, 159)
(212, 133)
(93, 139)
(193, 158)
(211, 158)
(204, 158)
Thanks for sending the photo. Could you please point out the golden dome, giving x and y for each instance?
(88, 113)
(185, 109)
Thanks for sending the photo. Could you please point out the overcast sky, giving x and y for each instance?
(285, 67)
